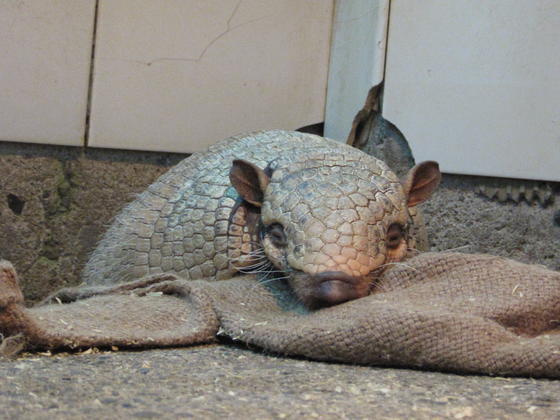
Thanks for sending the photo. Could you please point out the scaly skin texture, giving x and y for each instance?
(334, 202)
(335, 210)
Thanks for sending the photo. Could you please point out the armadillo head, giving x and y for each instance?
(330, 223)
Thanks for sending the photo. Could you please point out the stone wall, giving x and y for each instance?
(459, 217)
(55, 203)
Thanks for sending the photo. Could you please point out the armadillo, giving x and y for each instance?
(323, 215)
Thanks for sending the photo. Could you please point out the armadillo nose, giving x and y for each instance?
(334, 288)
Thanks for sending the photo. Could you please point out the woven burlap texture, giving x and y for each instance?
(444, 311)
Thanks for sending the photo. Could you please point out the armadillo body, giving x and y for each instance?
(192, 222)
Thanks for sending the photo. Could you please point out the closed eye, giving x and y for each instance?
(395, 235)
(277, 235)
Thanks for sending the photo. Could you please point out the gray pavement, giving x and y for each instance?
(223, 381)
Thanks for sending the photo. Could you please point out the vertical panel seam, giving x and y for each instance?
(382, 90)
(91, 74)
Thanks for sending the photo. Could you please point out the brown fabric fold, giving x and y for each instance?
(125, 316)
(444, 311)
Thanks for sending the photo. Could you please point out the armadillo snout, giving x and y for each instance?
(329, 288)
(336, 287)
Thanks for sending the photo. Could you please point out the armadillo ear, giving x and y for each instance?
(421, 181)
(249, 180)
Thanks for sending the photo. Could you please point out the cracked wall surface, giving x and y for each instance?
(177, 76)
(55, 203)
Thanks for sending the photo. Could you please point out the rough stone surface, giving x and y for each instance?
(458, 217)
(229, 382)
(55, 202)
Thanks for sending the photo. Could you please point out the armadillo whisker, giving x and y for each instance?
(256, 252)
(265, 281)
(259, 266)
(260, 255)
(266, 273)
(266, 269)
(255, 261)
(263, 271)
(272, 279)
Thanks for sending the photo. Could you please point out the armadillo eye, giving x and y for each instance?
(277, 235)
(395, 234)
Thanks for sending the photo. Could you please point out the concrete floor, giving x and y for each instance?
(223, 381)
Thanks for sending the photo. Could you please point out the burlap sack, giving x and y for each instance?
(445, 311)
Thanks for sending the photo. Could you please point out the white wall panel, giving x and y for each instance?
(178, 75)
(476, 85)
(45, 50)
